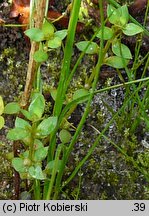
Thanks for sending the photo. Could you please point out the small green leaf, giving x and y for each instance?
(12, 108)
(92, 47)
(26, 114)
(2, 122)
(107, 34)
(40, 154)
(121, 50)
(65, 136)
(132, 29)
(116, 62)
(110, 10)
(17, 134)
(50, 166)
(47, 29)
(46, 126)
(21, 123)
(124, 18)
(113, 15)
(36, 172)
(54, 43)
(119, 16)
(1, 106)
(80, 93)
(18, 164)
(35, 34)
(40, 56)
(61, 34)
(36, 108)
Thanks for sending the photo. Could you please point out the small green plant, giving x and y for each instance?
(49, 39)
(47, 142)
(119, 19)
(32, 131)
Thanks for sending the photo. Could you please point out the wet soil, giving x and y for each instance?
(107, 174)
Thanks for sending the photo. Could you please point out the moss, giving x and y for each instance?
(6, 171)
(13, 71)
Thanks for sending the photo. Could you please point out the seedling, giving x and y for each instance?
(121, 53)
(49, 38)
(32, 131)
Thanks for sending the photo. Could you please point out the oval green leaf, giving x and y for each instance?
(17, 134)
(18, 164)
(107, 34)
(116, 62)
(54, 43)
(40, 154)
(21, 123)
(36, 172)
(47, 29)
(46, 127)
(132, 29)
(12, 108)
(121, 50)
(65, 136)
(40, 56)
(119, 16)
(36, 108)
(80, 93)
(35, 34)
(87, 47)
(61, 34)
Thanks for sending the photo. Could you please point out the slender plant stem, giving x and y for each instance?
(37, 194)
(83, 119)
(63, 78)
(65, 70)
(54, 172)
(67, 58)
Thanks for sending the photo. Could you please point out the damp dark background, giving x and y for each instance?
(107, 174)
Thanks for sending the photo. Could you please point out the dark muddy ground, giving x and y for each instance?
(107, 174)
